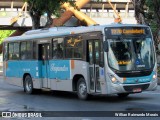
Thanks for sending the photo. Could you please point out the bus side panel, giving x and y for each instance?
(60, 75)
(34, 69)
(15, 71)
(80, 68)
(12, 73)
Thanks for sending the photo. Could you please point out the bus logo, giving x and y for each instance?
(136, 80)
(58, 69)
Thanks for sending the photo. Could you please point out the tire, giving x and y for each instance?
(123, 95)
(82, 89)
(28, 85)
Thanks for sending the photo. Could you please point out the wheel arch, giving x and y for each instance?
(75, 81)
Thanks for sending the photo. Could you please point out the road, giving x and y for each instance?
(12, 98)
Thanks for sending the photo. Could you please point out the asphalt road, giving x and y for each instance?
(13, 98)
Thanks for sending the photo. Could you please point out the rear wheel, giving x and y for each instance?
(28, 85)
(123, 95)
(82, 89)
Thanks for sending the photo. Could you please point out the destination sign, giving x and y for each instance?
(127, 31)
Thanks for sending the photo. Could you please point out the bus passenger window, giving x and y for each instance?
(13, 51)
(73, 47)
(35, 52)
(10, 50)
(26, 50)
(58, 53)
(16, 51)
(58, 48)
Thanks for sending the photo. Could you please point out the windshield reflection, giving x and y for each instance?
(130, 54)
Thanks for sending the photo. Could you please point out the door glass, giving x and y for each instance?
(96, 51)
(48, 55)
(90, 53)
(97, 59)
(44, 52)
(58, 48)
(91, 68)
(94, 60)
(44, 57)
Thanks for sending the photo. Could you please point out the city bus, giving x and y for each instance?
(95, 60)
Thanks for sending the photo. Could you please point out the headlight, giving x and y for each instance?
(114, 79)
(154, 77)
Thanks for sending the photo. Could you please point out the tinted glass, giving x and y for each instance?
(58, 48)
(13, 51)
(131, 54)
(73, 47)
(26, 50)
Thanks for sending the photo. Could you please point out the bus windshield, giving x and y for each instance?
(131, 54)
(130, 48)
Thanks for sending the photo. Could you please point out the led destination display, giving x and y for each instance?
(127, 31)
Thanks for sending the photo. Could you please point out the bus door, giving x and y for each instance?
(94, 58)
(44, 53)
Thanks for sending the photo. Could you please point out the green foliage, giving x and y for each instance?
(39, 7)
(45, 5)
(4, 34)
(149, 4)
(152, 14)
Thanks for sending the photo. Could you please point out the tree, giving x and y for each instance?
(3, 35)
(149, 15)
(39, 7)
(153, 17)
(139, 11)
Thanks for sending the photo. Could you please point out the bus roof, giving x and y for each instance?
(62, 31)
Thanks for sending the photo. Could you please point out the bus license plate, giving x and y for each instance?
(137, 90)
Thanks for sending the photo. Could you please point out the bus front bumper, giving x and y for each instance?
(133, 88)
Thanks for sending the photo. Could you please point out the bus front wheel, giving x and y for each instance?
(82, 89)
(28, 85)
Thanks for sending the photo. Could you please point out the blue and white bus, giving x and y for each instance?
(110, 59)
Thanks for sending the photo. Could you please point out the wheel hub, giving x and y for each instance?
(82, 88)
(28, 85)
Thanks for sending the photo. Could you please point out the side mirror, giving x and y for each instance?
(105, 46)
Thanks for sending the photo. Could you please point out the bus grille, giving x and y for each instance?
(130, 88)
